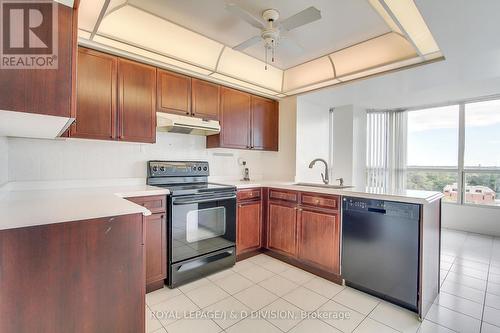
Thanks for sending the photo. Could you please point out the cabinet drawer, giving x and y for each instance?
(283, 195)
(156, 204)
(331, 202)
(249, 194)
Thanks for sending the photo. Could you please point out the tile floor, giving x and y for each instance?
(281, 294)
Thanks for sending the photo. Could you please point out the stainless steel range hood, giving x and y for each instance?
(166, 122)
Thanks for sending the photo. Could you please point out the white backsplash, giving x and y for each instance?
(4, 161)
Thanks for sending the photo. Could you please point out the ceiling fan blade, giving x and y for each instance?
(290, 44)
(246, 44)
(306, 16)
(245, 16)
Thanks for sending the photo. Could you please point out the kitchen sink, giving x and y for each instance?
(336, 187)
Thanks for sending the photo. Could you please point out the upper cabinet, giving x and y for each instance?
(265, 124)
(136, 101)
(116, 99)
(45, 91)
(96, 103)
(174, 93)
(247, 122)
(205, 97)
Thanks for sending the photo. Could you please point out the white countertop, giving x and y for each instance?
(411, 196)
(32, 204)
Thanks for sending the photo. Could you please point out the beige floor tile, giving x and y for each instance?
(253, 326)
(260, 259)
(466, 281)
(371, 326)
(256, 274)
(193, 285)
(495, 278)
(341, 317)
(323, 287)
(396, 317)
(467, 271)
(190, 325)
(161, 295)
(356, 300)
(173, 309)
(488, 328)
(152, 323)
(493, 288)
(233, 283)
(313, 326)
(287, 315)
(255, 297)
(278, 285)
(296, 275)
(228, 312)
(472, 264)
(276, 266)
(220, 275)
(430, 327)
(206, 295)
(453, 320)
(493, 301)
(242, 265)
(460, 304)
(305, 299)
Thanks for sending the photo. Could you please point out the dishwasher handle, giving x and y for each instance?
(377, 210)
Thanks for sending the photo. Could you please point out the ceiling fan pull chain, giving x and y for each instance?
(274, 47)
(266, 57)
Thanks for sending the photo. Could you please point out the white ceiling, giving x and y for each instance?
(343, 23)
(471, 69)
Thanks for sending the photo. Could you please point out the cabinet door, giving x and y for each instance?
(282, 228)
(249, 226)
(136, 101)
(96, 99)
(156, 247)
(319, 242)
(174, 93)
(265, 124)
(44, 91)
(235, 118)
(205, 99)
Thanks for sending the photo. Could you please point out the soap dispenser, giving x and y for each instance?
(246, 172)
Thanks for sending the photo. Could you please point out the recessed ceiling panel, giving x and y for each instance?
(343, 23)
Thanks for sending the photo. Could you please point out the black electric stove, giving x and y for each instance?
(201, 223)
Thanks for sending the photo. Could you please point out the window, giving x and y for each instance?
(454, 149)
(432, 163)
(482, 153)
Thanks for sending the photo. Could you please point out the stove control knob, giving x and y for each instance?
(194, 167)
(162, 168)
(199, 168)
(155, 168)
(205, 168)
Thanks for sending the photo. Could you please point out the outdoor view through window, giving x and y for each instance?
(434, 161)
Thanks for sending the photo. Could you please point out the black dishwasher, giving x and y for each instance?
(380, 249)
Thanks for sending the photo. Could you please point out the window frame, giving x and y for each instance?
(460, 169)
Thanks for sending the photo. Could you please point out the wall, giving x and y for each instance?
(4, 161)
(474, 219)
(35, 159)
(312, 139)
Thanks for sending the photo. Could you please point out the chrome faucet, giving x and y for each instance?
(324, 176)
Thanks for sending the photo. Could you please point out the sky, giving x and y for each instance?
(433, 135)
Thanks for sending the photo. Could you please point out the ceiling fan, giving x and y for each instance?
(273, 32)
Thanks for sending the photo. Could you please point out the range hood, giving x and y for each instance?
(166, 122)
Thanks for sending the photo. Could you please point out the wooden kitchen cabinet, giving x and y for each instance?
(95, 112)
(319, 239)
(265, 124)
(249, 221)
(282, 228)
(45, 91)
(205, 98)
(136, 101)
(174, 93)
(155, 227)
(78, 276)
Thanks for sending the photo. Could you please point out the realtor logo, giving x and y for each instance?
(28, 34)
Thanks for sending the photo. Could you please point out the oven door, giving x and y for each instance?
(201, 224)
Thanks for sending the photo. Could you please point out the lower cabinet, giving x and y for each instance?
(249, 226)
(155, 227)
(300, 228)
(282, 230)
(319, 239)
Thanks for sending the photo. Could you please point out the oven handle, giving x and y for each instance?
(195, 201)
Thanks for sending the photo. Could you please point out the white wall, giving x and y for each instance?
(312, 139)
(4, 161)
(35, 159)
(474, 219)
